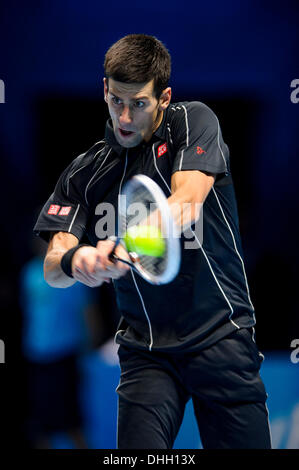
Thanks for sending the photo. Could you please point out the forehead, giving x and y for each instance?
(131, 90)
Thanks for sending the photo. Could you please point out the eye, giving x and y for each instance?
(116, 100)
(139, 104)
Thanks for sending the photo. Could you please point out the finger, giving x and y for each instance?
(82, 276)
(105, 245)
(99, 264)
(86, 261)
(105, 248)
(122, 254)
(91, 279)
(90, 266)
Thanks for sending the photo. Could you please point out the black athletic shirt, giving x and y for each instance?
(210, 297)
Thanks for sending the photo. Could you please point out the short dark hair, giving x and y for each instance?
(139, 58)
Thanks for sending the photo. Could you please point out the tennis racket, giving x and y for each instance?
(142, 199)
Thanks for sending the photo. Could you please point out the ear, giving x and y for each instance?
(165, 99)
(105, 81)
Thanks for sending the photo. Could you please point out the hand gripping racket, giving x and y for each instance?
(142, 199)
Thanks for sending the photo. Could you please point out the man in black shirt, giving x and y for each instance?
(194, 337)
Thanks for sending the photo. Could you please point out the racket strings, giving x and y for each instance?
(141, 207)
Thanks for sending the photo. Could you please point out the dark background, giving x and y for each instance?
(239, 57)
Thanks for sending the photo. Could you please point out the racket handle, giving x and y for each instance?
(113, 257)
(116, 240)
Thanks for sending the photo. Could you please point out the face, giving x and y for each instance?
(134, 109)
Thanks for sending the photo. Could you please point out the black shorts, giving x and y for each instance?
(223, 381)
(52, 396)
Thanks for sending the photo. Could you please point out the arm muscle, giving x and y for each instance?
(58, 245)
(189, 191)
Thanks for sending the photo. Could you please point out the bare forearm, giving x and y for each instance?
(59, 244)
(184, 208)
(89, 265)
(189, 191)
(185, 211)
(53, 273)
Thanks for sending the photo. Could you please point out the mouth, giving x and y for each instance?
(125, 133)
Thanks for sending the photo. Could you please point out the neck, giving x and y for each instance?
(156, 124)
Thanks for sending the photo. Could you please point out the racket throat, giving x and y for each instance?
(134, 257)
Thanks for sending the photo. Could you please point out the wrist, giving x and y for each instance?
(67, 258)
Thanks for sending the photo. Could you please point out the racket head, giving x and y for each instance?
(141, 193)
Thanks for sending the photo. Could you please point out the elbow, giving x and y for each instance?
(50, 278)
(57, 281)
(50, 281)
(56, 277)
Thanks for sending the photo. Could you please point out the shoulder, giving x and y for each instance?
(88, 157)
(86, 163)
(190, 119)
(193, 112)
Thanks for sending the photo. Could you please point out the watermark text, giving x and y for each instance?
(2, 91)
(186, 220)
(295, 353)
(2, 352)
(295, 93)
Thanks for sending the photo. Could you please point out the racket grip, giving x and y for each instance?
(113, 257)
(116, 240)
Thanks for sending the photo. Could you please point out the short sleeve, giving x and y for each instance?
(65, 210)
(198, 140)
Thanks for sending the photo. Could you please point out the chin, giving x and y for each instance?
(129, 146)
(127, 143)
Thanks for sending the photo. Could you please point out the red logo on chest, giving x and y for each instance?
(162, 149)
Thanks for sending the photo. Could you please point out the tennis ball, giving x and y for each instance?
(145, 240)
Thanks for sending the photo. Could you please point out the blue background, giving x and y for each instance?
(237, 56)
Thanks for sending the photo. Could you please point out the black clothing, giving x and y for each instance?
(210, 296)
(189, 338)
(223, 382)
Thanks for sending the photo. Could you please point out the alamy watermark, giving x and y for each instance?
(295, 353)
(295, 93)
(2, 91)
(2, 352)
(188, 220)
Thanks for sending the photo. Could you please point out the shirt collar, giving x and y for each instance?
(160, 133)
(110, 138)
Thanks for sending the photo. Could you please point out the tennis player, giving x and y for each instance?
(194, 337)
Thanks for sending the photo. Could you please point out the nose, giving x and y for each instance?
(125, 116)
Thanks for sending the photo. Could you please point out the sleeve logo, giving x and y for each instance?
(199, 150)
(162, 149)
(65, 210)
(53, 209)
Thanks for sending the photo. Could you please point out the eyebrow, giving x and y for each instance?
(145, 97)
